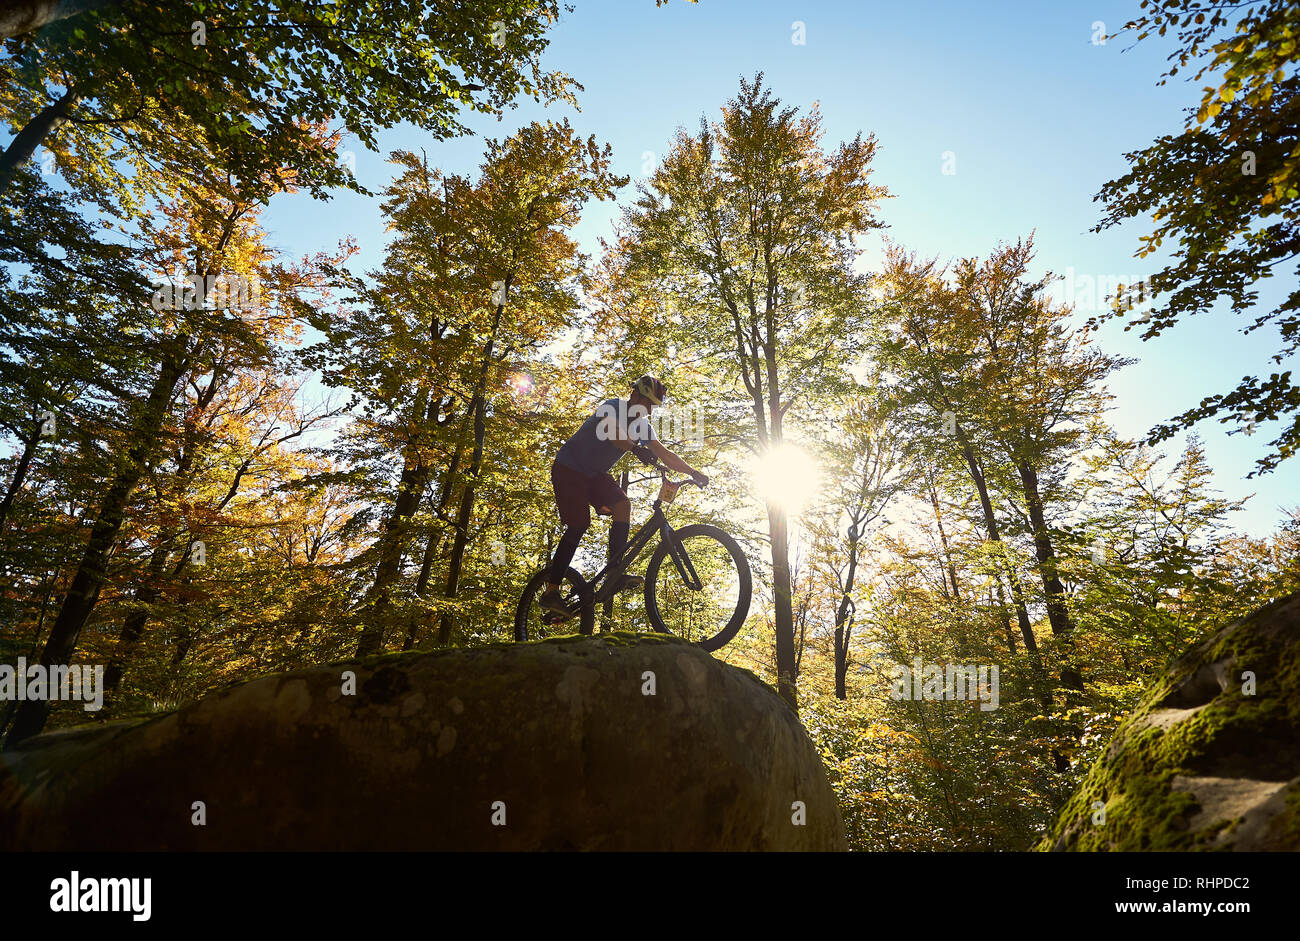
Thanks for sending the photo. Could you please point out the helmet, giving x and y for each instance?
(651, 388)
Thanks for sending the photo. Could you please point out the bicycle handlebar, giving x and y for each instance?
(685, 480)
(663, 471)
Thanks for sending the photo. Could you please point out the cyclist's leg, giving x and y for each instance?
(571, 499)
(619, 527)
(608, 497)
(564, 553)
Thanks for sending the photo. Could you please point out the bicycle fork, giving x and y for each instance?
(681, 558)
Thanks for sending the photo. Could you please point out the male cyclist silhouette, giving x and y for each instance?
(581, 478)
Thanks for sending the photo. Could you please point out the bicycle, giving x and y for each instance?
(708, 581)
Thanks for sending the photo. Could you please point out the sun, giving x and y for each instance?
(786, 476)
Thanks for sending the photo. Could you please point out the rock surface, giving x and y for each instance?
(1205, 762)
(434, 751)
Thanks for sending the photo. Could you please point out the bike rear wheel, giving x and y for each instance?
(532, 623)
(703, 592)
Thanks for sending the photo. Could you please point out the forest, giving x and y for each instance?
(219, 460)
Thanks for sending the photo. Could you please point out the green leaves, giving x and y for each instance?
(746, 224)
(1238, 156)
(264, 67)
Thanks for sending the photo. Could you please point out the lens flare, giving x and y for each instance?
(787, 477)
(521, 383)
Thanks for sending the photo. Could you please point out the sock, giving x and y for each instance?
(564, 554)
(617, 539)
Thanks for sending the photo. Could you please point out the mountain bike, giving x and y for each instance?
(697, 583)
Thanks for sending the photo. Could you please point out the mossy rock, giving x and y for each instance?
(547, 745)
(1210, 758)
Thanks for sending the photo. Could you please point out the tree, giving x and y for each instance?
(748, 228)
(1149, 563)
(211, 239)
(1046, 382)
(929, 354)
(985, 353)
(60, 292)
(252, 78)
(1237, 154)
(477, 273)
(868, 474)
(232, 427)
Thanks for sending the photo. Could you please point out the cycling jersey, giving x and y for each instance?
(593, 449)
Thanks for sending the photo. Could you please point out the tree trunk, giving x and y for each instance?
(801, 618)
(25, 16)
(787, 669)
(1040, 679)
(1058, 615)
(784, 612)
(151, 590)
(1022, 615)
(1006, 622)
(133, 628)
(393, 540)
(947, 552)
(991, 524)
(478, 408)
(844, 622)
(46, 122)
(84, 590)
(184, 641)
(456, 563)
(841, 663)
(20, 475)
(431, 548)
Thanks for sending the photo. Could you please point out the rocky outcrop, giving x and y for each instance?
(1210, 759)
(613, 742)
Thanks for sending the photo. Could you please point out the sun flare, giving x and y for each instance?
(786, 476)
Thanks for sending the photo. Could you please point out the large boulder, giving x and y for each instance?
(1210, 759)
(566, 744)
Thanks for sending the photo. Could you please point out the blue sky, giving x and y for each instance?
(1035, 114)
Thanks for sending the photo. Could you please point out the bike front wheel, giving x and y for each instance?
(533, 623)
(698, 586)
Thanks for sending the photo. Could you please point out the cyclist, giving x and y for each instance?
(580, 476)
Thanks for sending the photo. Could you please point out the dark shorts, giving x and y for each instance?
(575, 492)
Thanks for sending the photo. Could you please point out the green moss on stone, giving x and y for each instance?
(1134, 776)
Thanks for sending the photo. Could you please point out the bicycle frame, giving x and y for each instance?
(658, 522)
(635, 546)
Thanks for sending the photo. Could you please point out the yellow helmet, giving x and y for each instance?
(651, 388)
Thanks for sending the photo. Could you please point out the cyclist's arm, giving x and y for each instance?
(670, 459)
